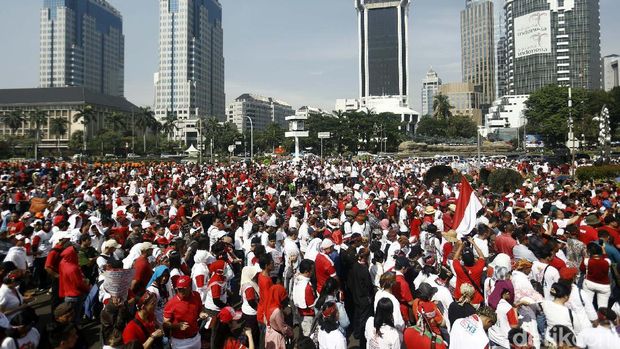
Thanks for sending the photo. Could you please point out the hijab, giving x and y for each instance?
(501, 286)
(247, 278)
(157, 273)
(275, 296)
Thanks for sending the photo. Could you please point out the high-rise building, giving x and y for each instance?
(465, 99)
(262, 111)
(82, 44)
(552, 42)
(478, 47)
(430, 85)
(611, 78)
(383, 48)
(190, 80)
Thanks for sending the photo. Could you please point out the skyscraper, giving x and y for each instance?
(552, 42)
(383, 48)
(190, 80)
(611, 78)
(82, 44)
(430, 85)
(478, 47)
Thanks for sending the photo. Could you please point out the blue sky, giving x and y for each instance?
(303, 52)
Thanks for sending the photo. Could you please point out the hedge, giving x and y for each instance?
(598, 172)
(505, 180)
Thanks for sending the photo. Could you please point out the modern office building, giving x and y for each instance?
(611, 78)
(309, 111)
(82, 44)
(478, 47)
(262, 111)
(465, 99)
(190, 80)
(507, 112)
(430, 85)
(552, 42)
(383, 59)
(60, 102)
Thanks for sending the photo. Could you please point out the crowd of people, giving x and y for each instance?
(307, 254)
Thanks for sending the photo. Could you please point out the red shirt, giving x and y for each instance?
(233, 343)
(402, 292)
(188, 310)
(134, 332)
(476, 274)
(613, 233)
(415, 339)
(557, 263)
(309, 297)
(53, 258)
(504, 243)
(324, 269)
(597, 270)
(14, 228)
(143, 273)
(587, 234)
(264, 284)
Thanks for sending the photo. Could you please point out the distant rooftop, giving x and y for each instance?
(61, 95)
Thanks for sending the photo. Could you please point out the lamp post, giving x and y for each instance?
(570, 131)
(251, 138)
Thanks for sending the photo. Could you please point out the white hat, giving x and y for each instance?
(110, 243)
(145, 246)
(326, 243)
(64, 234)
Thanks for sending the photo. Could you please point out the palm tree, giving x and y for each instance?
(86, 116)
(116, 121)
(14, 120)
(441, 107)
(145, 120)
(58, 128)
(37, 118)
(169, 124)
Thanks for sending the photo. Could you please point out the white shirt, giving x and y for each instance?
(17, 255)
(556, 314)
(389, 336)
(10, 299)
(584, 310)
(399, 323)
(483, 245)
(551, 276)
(598, 338)
(498, 333)
(470, 333)
(333, 340)
(402, 221)
(313, 249)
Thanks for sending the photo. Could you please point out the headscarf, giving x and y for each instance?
(275, 296)
(247, 278)
(157, 273)
(500, 287)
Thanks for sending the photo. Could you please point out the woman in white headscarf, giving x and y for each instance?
(200, 272)
(249, 294)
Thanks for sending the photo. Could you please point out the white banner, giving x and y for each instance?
(117, 282)
(533, 34)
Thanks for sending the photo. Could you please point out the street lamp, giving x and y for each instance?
(251, 138)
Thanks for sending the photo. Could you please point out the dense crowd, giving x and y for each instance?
(305, 255)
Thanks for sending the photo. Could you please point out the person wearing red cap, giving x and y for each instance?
(141, 328)
(181, 315)
(227, 331)
(329, 334)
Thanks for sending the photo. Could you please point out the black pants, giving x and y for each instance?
(56, 300)
(362, 313)
(41, 279)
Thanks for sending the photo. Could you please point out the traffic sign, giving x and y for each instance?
(324, 135)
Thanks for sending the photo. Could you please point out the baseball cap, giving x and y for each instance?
(228, 314)
(110, 243)
(174, 227)
(326, 243)
(568, 273)
(145, 246)
(184, 281)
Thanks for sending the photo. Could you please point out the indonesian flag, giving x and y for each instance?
(467, 207)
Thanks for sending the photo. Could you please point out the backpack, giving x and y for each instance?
(539, 286)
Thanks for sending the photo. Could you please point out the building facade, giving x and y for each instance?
(507, 112)
(465, 99)
(478, 47)
(611, 78)
(190, 79)
(552, 42)
(82, 44)
(430, 85)
(262, 111)
(60, 102)
(383, 47)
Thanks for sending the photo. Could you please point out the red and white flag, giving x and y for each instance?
(467, 207)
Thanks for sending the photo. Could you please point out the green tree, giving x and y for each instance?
(461, 126)
(441, 107)
(270, 137)
(58, 128)
(86, 116)
(169, 124)
(37, 118)
(429, 126)
(145, 120)
(547, 112)
(14, 120)
(116, 121)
